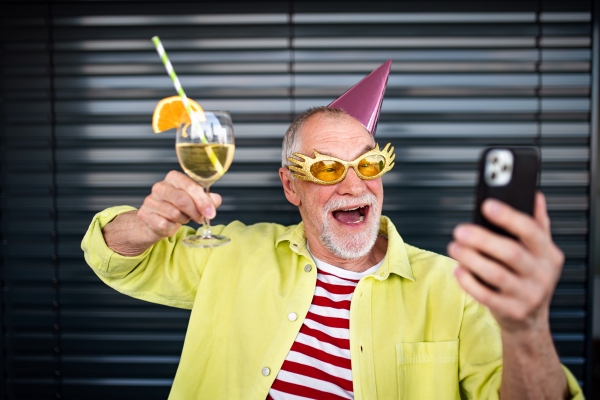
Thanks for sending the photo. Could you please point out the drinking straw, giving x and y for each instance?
(195, 127)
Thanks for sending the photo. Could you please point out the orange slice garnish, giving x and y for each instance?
(170, 113)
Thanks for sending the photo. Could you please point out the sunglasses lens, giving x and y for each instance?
(327, 171)
(371, 165)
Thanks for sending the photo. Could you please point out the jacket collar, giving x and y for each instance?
(395, 262)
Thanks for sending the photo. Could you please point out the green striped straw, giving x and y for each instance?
(195, 127)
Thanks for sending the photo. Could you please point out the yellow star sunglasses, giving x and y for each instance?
(329, 170)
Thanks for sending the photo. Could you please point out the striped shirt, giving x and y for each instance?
(318, 365)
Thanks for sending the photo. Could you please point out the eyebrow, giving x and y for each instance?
(364, 150)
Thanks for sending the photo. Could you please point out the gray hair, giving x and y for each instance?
(293, 140)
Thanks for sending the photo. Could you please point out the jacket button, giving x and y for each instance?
(292, 316)
(307, 268)
(266, 371)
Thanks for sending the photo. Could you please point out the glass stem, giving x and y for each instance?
(206, 224)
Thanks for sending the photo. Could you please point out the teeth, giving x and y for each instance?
(352, 209)
(361, 219)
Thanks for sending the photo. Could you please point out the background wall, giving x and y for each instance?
(80, 80)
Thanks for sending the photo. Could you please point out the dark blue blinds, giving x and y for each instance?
(80, 80)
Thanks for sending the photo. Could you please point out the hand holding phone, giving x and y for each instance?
(513, 273)
(508, 174)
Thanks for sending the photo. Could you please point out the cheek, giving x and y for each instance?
(315, 196)
(375, 186)
(323, 194)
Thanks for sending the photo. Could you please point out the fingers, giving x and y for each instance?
(170, 202)
(174, 202)
(501, 248)
(505, 308)
(158, 224)
(168, 211)
(202, 202)
(527, 229)
(540, 212)
(479, 292)
(216, 199)
(490, 272)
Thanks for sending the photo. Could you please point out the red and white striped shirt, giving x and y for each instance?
(318, 365)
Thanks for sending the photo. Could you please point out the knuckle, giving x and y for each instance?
(515, 254)
(528, 229)
(535, 298)
(174, 214)
(171, 175)
(194, 189)
(162, 225)
(531, 298)
(181, 200)
(157, 188)
(498, 278)
(147, 200)
(142, 214)
(518, 314)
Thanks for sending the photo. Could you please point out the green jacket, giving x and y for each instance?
(414, 334)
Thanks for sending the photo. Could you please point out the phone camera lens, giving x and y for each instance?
(504, 168)
(495, 160)
(493, 176)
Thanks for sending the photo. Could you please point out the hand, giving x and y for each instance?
(173, 202)
(520, 275)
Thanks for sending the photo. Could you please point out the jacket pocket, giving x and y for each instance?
(428, 370)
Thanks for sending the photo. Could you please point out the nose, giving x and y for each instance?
(351, 184)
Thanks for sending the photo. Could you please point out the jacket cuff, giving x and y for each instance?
(98, 255)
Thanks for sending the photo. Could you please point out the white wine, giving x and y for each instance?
(194, 160)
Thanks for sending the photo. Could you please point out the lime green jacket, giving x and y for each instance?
(414, 334)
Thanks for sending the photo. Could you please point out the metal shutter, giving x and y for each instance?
(80, 80)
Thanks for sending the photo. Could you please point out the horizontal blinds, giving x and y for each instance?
(80, 81)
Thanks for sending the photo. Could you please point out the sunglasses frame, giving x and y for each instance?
(303, 166)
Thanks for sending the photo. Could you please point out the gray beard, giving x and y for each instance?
(356, 245)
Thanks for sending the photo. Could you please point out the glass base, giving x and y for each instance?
(206, 241)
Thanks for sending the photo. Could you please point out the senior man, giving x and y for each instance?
(339, 306)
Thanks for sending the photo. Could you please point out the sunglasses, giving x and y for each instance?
(328, 170)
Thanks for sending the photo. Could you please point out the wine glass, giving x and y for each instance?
(205, 154)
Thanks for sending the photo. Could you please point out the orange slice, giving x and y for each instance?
(170, 113)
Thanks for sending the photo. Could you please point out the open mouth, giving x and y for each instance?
(353, 215)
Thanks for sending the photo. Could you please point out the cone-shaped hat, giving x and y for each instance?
(363, 100)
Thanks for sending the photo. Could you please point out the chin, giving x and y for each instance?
(350, 241)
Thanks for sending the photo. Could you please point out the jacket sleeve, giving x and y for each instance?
(167, 273)
(480, 356)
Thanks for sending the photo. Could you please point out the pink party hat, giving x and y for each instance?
(363, 100)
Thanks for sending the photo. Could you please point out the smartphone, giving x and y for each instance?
(509, 174)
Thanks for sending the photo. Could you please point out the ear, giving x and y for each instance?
(288, 186)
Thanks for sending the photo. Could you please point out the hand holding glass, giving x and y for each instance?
(206, 161)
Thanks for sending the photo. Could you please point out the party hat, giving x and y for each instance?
(363, 100)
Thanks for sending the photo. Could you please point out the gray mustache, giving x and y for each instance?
(336, 204)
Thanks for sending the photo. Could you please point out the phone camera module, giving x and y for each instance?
(498, 167)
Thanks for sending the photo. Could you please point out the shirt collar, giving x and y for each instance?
(395, 262)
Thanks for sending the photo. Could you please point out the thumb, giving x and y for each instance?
(216, 199)
(540, 211)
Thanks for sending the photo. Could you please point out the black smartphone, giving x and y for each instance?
(509, 174)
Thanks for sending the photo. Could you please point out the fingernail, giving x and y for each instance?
(462, 232)
(455, 248)
(209, 212)
(491, 206)
(458, 271)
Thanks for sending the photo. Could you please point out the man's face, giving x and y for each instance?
(345, 216)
